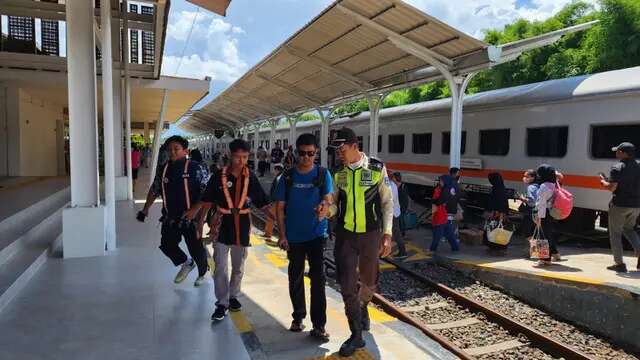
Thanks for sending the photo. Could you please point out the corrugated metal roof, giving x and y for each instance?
(338, 54)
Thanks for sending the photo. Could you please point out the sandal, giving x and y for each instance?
(319, 334)
(296, 326)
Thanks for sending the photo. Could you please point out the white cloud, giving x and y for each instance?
(212, 49)
(472, 16)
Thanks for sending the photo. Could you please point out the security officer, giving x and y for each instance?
(363, 205)
(180, 182)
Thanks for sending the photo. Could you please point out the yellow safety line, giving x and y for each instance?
(361, 354)
(241, 323)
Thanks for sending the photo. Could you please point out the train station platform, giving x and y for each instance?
(125, 305)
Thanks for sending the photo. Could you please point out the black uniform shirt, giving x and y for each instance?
(626, 174)
(255, 197)
(176, 203)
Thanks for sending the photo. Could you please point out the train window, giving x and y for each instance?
(446, 142)
(379, 144)
(603, 138)
(495, 142)
(547, 141)
(360, 143)
(396, 144)
(422, 143)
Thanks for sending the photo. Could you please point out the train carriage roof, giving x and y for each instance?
(611, 82)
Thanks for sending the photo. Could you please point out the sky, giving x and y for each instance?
(224, 48)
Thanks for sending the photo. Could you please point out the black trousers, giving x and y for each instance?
(548, 231)
(313, 251)
(169, 244)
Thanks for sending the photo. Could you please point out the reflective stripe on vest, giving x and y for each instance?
(185, 178)
(235, 210)
(359, 188)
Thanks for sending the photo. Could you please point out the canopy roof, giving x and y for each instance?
(352, 48)
(217, 6)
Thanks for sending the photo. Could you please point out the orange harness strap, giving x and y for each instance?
(231, 209)
(185, 178)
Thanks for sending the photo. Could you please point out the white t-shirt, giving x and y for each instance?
(396, 200)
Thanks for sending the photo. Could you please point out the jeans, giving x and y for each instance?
(622, 221)
(447, 230)
(313, 251)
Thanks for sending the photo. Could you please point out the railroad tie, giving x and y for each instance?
(438, 305)
(502, 346)
(454, 324)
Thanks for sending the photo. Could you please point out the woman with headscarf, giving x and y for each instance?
(497, 208)
(547, 178)
(444, 207)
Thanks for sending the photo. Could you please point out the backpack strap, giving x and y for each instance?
(185, 179)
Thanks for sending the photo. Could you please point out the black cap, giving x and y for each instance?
(626, 147)
(344, 136)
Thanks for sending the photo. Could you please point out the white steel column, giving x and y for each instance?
(458, 87)
(127, 103)
(108, 120)
(324, 138)
(293, 121)
(273, 124)
(117, 123)
(375, 103)
(256, 145)
(83, 223)
(156, 136)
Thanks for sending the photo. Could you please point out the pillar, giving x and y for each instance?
(256, 142)
(156, 136)
(83, 224)
(324, 138)
(292, 129)
(458, 86)
(108, 116)
(375, 103)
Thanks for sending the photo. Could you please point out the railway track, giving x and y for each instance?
(472, 329)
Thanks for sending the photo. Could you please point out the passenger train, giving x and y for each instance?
(570, 123)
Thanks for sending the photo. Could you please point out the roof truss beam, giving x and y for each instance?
(344, 75)
(291, 88)
(396, 37)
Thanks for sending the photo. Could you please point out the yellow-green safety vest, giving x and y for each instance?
(359, 198)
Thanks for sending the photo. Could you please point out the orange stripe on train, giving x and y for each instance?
(581, 181)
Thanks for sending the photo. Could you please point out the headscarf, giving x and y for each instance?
(495, 179)
(448, 181)
(546, 173)
(498, 200)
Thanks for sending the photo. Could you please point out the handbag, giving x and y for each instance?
(499, 235)
(408, 220)
(538, 245)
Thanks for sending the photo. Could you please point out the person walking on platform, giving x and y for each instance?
(268, 227)
(547, 178)
(364, 224)
(624, 208)
(136, 162)
(277, 154)
(443, 209)
(262, 161)
(303, 196)
(233, 191)
(397, 212)
(180, 182)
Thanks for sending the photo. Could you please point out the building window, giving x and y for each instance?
(547, 141)
(495, 142)
(446, 142)
(603, 138)
(396, 144)
(422, 143)
(360, 143)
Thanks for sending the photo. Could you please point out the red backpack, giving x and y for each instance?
(562, 203)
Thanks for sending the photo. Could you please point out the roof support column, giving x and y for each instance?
(108, 117)
(324, 137)
(375, 103)
(83, 224)
(256, 145)
(293, 120)
(127, 106)
(458, 86)
(156, 137)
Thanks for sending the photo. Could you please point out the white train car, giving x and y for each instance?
(570, 123)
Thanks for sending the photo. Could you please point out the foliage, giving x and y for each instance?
(612, 44)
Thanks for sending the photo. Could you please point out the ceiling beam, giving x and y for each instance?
(342, 74)
(291, 89)
(395, 37)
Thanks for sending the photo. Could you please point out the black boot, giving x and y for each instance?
(354, 342)
(365, 321)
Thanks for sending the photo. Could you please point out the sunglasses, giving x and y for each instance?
(306, 153)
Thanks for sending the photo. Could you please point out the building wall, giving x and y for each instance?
(13, 131)
(38, 145)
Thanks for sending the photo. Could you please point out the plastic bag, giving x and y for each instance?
(499, 235)
(538, 245)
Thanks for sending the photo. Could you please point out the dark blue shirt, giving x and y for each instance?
(301, 220)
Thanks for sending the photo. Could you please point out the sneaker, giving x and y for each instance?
(219, 314)
(234, 305)
(556, 257)
(296, 326)
(400, 256)
(201, 280)
(320, 334)
(542, 263)
(351, 345)
(185, 269)
(620, 268)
